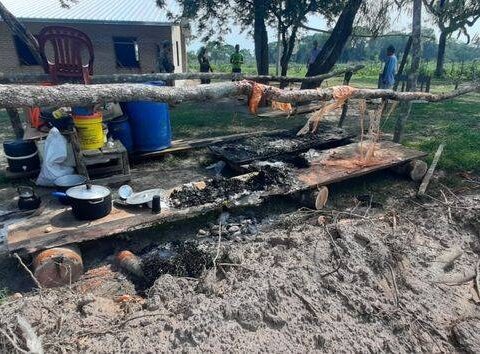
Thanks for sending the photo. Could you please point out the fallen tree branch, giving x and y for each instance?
(85, 95)
(142, 78)
(13, 342)
(27, 270)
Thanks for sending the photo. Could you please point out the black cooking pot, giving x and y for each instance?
(90, 202)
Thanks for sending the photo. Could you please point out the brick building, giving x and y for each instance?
(127, 35)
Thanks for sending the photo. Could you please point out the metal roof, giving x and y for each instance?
(144, 12)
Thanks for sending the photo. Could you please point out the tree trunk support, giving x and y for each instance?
(16, 122)
(87, 95)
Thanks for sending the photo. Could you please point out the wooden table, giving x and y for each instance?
(29, 235)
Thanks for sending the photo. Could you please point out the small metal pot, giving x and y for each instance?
(90, 202)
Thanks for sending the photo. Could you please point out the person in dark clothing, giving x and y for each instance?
(236, 59)
(205, 66)
(166, 59)
(313, 54)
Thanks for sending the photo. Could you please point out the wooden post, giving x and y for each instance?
(15, 122)
(406, 51)
(346, 81)
(77, 153)
(313, 198)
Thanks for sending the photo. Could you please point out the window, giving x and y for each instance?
(126, 52)
(24, 53)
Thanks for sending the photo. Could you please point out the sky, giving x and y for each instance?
(400, 23)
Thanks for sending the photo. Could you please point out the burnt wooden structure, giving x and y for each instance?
(56, 226)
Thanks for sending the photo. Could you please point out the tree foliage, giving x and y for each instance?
(454, 15)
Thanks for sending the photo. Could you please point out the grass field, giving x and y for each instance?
(455, 122)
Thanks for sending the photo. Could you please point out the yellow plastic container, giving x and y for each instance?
(90, 131)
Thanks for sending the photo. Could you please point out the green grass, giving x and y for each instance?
(455, 122)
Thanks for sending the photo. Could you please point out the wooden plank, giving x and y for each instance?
(184, 145)
(30, 235)
(326, 171)
(312, 107)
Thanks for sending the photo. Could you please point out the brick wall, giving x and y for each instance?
(148, 37)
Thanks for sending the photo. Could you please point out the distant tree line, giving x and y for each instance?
(361, 49)
(358, 49)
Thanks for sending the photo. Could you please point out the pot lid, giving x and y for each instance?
(70, 180)
(143, 197)
(88, 192)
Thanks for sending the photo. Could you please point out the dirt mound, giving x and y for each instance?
(361, 283)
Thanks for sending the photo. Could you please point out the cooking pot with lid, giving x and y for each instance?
(90, 202)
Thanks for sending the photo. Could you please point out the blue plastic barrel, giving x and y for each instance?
(119, 129)
(149, 123)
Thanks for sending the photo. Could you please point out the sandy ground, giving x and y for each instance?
(392, 277)
(367, 279)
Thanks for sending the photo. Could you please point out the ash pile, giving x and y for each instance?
(263, 177)
(235, 228)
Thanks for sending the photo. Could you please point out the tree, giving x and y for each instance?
(451, 16)
(332, 49)
(414, 69)
(291, 15)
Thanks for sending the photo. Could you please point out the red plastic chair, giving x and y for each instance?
(67, 44)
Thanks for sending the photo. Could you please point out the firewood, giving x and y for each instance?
(415, 170)
(58, 266)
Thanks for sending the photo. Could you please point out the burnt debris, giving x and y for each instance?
(268, 177)
(278, 144)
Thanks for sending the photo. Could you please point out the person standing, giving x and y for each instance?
(389, 70)
(313, 54)
(166, 61)
(166, 58)
(236, 59)
(205, 66)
